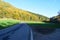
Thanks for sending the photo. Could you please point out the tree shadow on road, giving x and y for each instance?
(45, 31)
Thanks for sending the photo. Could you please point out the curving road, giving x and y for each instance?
(16, 32)
(24, 32)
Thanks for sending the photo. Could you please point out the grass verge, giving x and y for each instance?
(4, 23)
(44, 25)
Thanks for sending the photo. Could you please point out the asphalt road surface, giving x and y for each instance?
(16, 32)
(24, 32)
(53, 34)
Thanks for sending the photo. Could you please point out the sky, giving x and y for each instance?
(47, 8)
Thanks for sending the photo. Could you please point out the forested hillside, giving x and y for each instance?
(9, 11)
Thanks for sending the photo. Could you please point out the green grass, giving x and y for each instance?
(44, 25)
(29, 22)
(4, 23)
(38, 24)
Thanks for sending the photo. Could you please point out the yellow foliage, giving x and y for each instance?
(9, 11)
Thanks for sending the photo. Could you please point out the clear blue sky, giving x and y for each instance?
(48, 8)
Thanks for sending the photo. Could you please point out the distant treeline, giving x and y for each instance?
(55, 19)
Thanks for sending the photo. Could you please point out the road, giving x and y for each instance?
(24, 32)
(16, 32)
(52, 35)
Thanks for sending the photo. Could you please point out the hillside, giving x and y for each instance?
(9, 11)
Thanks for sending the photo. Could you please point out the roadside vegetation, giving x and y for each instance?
(4, 23)
(22, 16)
